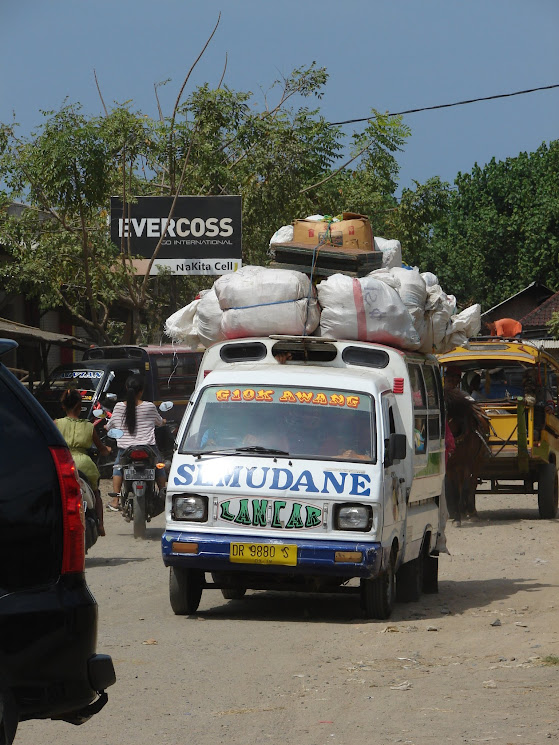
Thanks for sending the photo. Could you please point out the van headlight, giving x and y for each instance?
(354, 517)
(192, 507)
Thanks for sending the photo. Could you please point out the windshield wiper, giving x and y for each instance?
(232, 451)
(260, 449)
(198, 453)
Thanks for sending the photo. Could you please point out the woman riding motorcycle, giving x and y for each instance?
(80, 435)
(138, 420)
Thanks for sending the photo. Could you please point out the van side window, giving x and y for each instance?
(417, 387)
(431, 386)
(419, 409)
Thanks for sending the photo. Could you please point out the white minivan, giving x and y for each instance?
(304, 463)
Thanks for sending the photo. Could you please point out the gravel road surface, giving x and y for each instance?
(477, 663)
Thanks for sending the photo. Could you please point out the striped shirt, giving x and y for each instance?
(147, 418)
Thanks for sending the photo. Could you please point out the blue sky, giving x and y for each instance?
(388, 54)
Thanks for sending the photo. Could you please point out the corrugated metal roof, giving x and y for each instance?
(19, 331)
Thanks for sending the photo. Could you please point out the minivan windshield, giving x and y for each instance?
(310, 422)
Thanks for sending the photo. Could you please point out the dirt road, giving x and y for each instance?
(477, 663)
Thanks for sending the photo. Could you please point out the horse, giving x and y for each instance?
(470, 429)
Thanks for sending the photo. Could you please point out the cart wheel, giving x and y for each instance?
(185, 590)
(548, 491)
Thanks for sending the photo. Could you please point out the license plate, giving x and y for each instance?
(263, 553)
(148, 474)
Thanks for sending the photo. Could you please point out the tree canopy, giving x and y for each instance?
(282, 157)
(492, 234)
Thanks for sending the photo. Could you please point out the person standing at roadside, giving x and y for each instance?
(137, 419)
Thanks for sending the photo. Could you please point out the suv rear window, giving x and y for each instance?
(30, 506)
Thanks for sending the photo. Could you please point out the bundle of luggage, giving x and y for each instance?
(398, 306)
(392, 304)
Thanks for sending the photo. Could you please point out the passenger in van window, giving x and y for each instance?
(80, 435)
(354, 438)
(283, 357)
(137, 419)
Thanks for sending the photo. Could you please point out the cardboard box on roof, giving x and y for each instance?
(352, 231)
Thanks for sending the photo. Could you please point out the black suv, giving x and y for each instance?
(48, 616)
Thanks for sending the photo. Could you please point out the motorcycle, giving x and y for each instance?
(90, 515)
(140, 496)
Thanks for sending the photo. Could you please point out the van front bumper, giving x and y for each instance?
(314, 557)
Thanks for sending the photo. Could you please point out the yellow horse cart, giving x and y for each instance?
(517, 389)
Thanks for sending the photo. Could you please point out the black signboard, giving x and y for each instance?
(203, 235)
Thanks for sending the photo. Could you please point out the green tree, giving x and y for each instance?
(413, 221)
(501, 230)
(282, 159)
(60, 249)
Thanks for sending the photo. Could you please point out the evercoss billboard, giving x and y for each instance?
(203, 235)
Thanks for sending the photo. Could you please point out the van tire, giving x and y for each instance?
(409, 583)
(185, 590)
(548, 491)
(430, 574)
(379, 594)
(233, 593)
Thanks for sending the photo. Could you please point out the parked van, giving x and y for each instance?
(303, 463)
(518, 392)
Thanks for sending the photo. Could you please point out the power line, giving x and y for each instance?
(448, 105)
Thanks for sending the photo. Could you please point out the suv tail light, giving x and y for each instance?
(139, 454)
(73, 547)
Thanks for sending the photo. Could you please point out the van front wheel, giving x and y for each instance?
(548, 491)
(378, 594)
(185, 590)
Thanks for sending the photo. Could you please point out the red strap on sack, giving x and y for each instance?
(360, 310)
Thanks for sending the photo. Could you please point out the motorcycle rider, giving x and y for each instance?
(80, 435)
(137, 419)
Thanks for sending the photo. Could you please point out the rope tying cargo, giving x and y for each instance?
(316, 250)
(262, 305)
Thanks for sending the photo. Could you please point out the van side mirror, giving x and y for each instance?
(395, 448)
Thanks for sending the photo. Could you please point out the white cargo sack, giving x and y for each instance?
(258, 301)
(461, 328)
(181, 326)
(365, 309)
(391, 252)
(283, 235)
(386, 276)
(208, 319)
(430, 279)
(413, 292)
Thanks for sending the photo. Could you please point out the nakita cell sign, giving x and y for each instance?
(201, 236)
